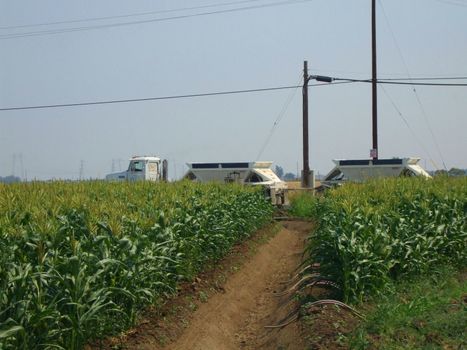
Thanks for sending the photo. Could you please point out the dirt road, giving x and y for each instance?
(234, 317)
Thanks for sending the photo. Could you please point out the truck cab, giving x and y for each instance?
(142, 168)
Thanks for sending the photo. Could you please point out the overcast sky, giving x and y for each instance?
(254, 46)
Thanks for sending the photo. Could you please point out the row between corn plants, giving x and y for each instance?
(369, 235)
(79, 260)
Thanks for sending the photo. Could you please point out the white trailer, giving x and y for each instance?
(359, 170)
(247, 173)
(146, 168)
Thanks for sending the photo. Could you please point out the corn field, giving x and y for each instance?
(79, 260)
(371, 234)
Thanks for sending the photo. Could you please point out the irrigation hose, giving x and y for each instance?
(295, 286)
(339, 303)
(295, 277)
(292, 319)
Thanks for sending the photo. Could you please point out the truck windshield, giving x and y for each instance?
(137, 165)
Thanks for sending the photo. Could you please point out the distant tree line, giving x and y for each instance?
(451, 172)
(10, 179)
(284, 176)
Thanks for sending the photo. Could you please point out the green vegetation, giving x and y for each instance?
(79, 260)
(398, 249)
(303, 205)
(427, 313)
(372, 234)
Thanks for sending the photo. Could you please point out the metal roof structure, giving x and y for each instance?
(359, 170)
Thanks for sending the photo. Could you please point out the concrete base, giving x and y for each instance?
(311, 179)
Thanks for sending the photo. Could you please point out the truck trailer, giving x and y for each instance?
(245, 173)
(359, 170)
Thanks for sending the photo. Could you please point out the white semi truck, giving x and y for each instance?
(359, 170)
(246, 173)
(150, 168)
(146, 168)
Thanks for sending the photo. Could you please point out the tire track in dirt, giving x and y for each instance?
(236, 319)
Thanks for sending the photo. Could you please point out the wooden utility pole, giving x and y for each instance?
(306, 163)
(374, 151)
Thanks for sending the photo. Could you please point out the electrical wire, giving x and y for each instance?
(337, 81)
(457, 76)
(144, 99)
(422, 108)
(420, 84)
(421, 79)
(452, 2)
(404, 119)
(429, 127)
(278, 119)
(137, 14)
(121, 24)
(385, 81)
(218, 93)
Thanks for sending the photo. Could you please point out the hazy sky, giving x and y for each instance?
(259, 47)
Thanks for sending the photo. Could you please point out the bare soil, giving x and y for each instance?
(236, 319)
(229, 306)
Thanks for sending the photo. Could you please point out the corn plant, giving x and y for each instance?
(371, 234)
(75, 257)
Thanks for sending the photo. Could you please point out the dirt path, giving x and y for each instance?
(234, 314)
(236, 319)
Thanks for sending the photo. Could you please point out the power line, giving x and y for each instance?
(455, 76)
(453, 2)
(81, 170)
(145, 99)
(121, 24)
(391, 82)
(421, 79)
(429, 127)
(137, 14)
(422, 109)
(404, 119)
(336, 81)
(420, 84)
(279, 117)
(161, 97)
